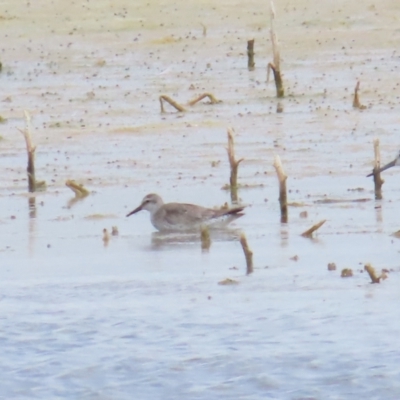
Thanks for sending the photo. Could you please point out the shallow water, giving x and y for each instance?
(145, 315)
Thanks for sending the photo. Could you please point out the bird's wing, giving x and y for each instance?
(180, 213)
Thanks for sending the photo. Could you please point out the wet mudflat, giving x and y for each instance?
(145, 315)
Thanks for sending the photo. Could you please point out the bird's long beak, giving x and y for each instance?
(385, 167)
(137, 209)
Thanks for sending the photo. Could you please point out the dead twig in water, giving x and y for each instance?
(372, 274)
(282, 177)
(247, 253)
(33, 185)
(173, 103)
(205, 238)
(378, 181)
(308, 233)
(213, 99)
(234, 164)
(276, 64)
(356, 99)
(250, 55)
(79, 190)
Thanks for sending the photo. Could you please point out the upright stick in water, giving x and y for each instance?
(250, 55)
(247, 253)
(33, 185)
(282, 188)
(276, 64)
(378, 181)
(234, 164)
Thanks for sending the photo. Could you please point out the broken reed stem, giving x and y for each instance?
(213, 99)
(308, 233)
(356, 99)
(282, 177)
(276, 64)
(247, 253)
(234, 164)
(173, 103)
(250, 55)
(372, 273)
(378, 181)
(205, 238)
(30, 149)
(79, 190)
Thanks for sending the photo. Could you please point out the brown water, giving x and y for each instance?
(144, 314)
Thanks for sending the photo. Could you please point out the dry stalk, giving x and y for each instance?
(378, 181)
(234, 164)
(204, 29)
(213, 99)
(79, 190)
(250, 55)
(356, 99)
(173, 103)
(282, 177)
(247, 253)
(308, 233)
(276, 64)
(205, 238)
(372, 274)
(30, 149)
(106, 237)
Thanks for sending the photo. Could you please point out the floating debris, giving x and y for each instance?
(106, 237)
(79, 190)
(346, 273)
(212, 98)
(331, 267)
(173, 103)
(372, 274)
(228, 281)
(114, 231)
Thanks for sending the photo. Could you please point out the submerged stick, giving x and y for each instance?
(250, 55)
(378, 181)
(234, 164)
(173, 103)
(282, 177)
(308, 233)
(356, 99)
(247, 253)
(205, 238)
(275, 66)
(213, 99)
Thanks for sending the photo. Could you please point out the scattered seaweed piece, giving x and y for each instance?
(378, 181)
(335, 201)
(309, 232)
(173, 103)
(212, 98)
(356, 99)
(205, 238)
(346, 273)
(247, 253)
(234, 164)
(282, 177)
(114, 231)
(250, 55)
(275, 65)
(332, 267)
(33, 184)
(228, 281)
